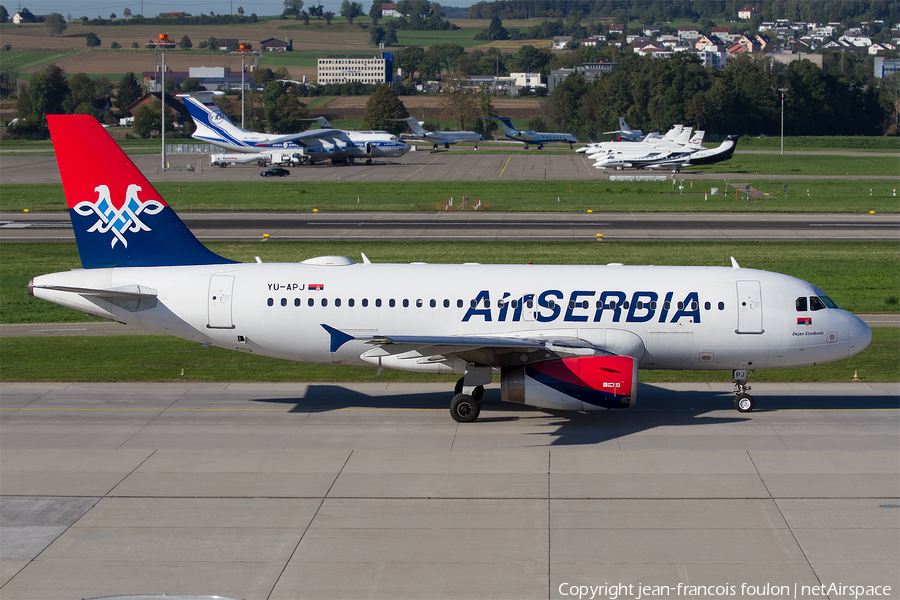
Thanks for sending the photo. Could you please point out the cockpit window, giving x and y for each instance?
(801, 304)
(828, 302)
(815, 303)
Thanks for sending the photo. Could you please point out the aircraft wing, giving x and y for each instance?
(310, 134)
(489, 348)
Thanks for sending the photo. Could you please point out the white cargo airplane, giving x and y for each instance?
(560, 337)
(214, 127)
(538, 138)
(442, 137)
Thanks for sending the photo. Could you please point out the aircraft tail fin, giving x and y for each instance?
(673, 133)
(323, 123)
(697, 138)
(213, 125)
(119, 219)
(623, 126)
(507, 126)
(684, 136)
(415, 126)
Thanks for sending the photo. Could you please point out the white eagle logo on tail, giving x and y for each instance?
(121, 220)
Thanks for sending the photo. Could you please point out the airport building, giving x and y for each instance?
(346, 69)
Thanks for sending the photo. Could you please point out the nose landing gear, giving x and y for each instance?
(743, 402)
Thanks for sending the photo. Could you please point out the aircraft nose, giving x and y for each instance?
(860, 335)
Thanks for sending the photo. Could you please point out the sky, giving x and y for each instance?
(103, 8)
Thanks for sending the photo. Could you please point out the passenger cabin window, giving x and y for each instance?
(337, 302)
(801, 304)
(446, 303)
(392, 303)
(707, 306)
(405, 303)
(351, 302)
(311, 302)
(459, 303)
(365, 302)
(324, 302)
(721, 306)
(284, 301)
(419, 303)
(270, 302)
(296, 301)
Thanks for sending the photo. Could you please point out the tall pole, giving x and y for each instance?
(161, 43)
(243, 49)
(782, 90)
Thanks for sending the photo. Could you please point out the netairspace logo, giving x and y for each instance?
(745, 590)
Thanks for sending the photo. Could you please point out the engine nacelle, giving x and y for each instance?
(579, 383)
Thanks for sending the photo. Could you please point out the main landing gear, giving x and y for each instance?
(466, 403)
(743, 402)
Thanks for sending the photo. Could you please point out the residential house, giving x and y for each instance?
(651, 30)
(747, 13)
(276, 45)
(389, 9)
(688, 32)
(228, 43)
(561, 42)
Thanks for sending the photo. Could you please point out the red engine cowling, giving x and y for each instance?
(580, 383)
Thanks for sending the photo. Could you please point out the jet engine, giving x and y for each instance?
(578, 383)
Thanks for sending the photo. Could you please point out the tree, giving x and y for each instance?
(281, 73)
(185, 43)
(115, 45)
(409, 59)
(288, 115)
(375, 12)
(262, 76)
(304, 16)
(92, 40)
(458, 103)
(350, 10)
(212, 43)
(112, 17)
(126, 13)
(383, 106)
(390, 37)
(328, 16)
(4, 14)
(128, 90)
(293, 7)
(46, 92)
(376, 35)
(134, 45)
(148, 120)
(192, 85)
(56, 24)
(240, 11)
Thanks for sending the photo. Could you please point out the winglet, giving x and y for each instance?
(338, 337)
(734, 264)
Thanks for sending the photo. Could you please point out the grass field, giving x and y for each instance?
(861, 277)
(156, 358)
(19, 60)
(830, 196)
(856, 143)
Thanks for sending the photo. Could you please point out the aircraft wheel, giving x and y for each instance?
(743, 403)
(369, 161)
(464, 409)
(478, 393)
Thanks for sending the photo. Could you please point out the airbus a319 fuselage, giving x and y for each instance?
(559, 336)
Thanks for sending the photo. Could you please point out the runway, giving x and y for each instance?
(450, 226)
(371, 491)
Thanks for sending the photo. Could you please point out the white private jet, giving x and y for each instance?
(538, 138)
(625, 133)
(560, 337)
(337, 145)
(436, 138)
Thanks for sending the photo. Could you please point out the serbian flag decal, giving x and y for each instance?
(316, 287)
(807, 321)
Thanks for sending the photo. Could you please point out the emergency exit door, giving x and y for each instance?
(749, 307)
(220, 295)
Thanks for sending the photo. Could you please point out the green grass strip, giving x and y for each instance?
(157, 358)
(600, 195)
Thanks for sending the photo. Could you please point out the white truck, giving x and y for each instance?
(262, 159)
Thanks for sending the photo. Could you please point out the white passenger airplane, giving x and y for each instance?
(337, 145)
(534, 137)
(560, 337)
(442, 137)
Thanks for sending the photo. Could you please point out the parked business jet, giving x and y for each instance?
(689, 155)
(560, 337)
(337, 145)
(534, 137)
(653, 139)
(676, 139)
(625, 133)
(442, 137)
